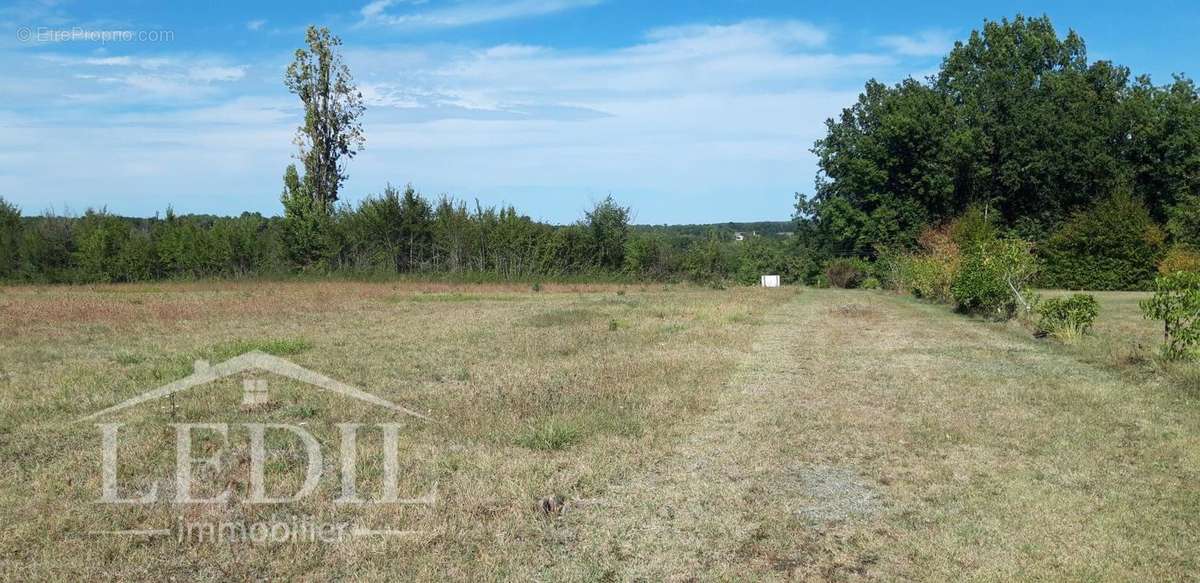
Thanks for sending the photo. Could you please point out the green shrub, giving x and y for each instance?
(1176, 302)
(1112, 246)
(994, 279)
(844, 273)
(870, 283)
(928, 274)
(974, 227)
(1068, 318)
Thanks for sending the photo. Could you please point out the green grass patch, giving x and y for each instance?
(273, 346)
(552, 435)
(562, 317)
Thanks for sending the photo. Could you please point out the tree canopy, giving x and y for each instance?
(1018, 122)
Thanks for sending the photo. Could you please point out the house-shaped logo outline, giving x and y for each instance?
(203, 373)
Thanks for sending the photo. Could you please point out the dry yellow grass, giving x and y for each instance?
(739, 434)
(537, 393)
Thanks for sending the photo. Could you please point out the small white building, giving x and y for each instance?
(770, 281)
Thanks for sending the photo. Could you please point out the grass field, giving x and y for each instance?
(740, 434)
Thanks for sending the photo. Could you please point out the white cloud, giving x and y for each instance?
(465, 13)
(255, 25)
(699, 109)
(375, 9)
(929, 43)
(726, 112)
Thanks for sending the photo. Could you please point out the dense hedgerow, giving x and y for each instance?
(1114, 245)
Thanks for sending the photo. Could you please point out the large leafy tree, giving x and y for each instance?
(331, 133)
(885, 168)
(1163, 148)
(1018, 123)
(330, 136)
(608, 229)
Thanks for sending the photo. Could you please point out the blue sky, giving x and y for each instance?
(688, 111)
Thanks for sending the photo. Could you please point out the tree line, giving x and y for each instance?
(1099, 169)
(398, 231)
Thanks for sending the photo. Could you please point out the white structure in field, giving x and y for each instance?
(770, 281)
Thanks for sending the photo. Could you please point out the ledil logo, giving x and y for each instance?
(220, 448)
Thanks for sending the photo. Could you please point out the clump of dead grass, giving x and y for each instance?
(855, 310)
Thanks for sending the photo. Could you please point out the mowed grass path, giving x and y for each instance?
(738, 434)
(873, 437)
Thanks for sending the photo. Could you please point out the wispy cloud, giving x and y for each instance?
(130, 79)
(255, 25)
(698, 110)
(471, 12)
(927, 43)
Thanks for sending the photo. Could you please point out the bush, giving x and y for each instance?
(929, 277)
(870, 283)
(994, 279)
(1176, 302)
(1179, 258)
(1068, 318)
(928, 274)
(1113, 245)
(843, 273)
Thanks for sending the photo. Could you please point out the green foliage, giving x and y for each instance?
(1068, 318)
(308, 233)
(1017, 123)
(1114, 245)
(845, 273)
(758, 256)
(650, 255)
(975, 227)
(47, 249)
(99, 239)
(1184, 222)
(994, 278)
(608, 230)
(930, 273)
(870, 283)
(10, 239)
(331, 132)
(708, 260)
(1176, 302)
